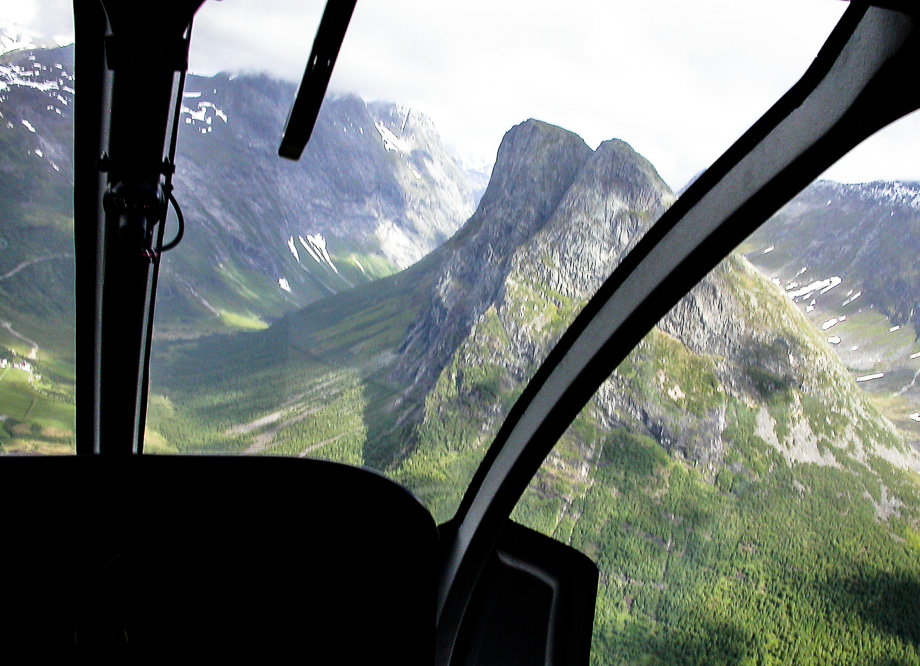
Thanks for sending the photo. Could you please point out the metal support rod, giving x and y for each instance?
(143, 54)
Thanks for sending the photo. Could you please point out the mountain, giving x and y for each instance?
(536, 165)
(845, 253)
(869, 233)
(374, 192)
(744, 500)
(36, 247)
(451, 341)
(731, 350)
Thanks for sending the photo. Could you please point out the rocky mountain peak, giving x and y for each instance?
(536, 165)
(614, 200)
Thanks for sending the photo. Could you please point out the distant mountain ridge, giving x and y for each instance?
(36, 183)
(846, 254)
(374, 192)
(869, 232)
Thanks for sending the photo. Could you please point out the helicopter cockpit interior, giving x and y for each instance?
(319, 560)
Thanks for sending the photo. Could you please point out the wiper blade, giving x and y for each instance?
(316, 76)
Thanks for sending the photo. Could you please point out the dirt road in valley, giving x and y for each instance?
(30, 262)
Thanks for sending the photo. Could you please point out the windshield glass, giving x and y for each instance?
(374, 303)
(746, 480)
(36, 233)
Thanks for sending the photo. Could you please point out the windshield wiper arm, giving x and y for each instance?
(316, 76)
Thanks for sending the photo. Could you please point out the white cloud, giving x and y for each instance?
(21, 12)
(678, 80)
(47, 20)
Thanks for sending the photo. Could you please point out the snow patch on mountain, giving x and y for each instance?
(319, 243)
(887, 193)
(390, 141)
(29, 77)
(820, 286)
(203, 115)
(12, 38)
(293, 249)
(315, 244)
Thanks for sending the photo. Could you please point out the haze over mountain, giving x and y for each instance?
(374, 192)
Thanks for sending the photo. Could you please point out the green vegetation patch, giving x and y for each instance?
(245, 321)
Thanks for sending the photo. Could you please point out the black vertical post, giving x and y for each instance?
(89, 66)
(144, 54)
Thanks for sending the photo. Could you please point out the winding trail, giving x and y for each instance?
(29, 262)
(906, 387)
(34, 353)
(306, 452)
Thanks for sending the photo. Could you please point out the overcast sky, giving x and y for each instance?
(679, 80)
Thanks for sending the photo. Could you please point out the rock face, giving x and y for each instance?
(557, 216)
(374, 192)
(553, 225)
(536, 165)
(373, 177)
(615, 198)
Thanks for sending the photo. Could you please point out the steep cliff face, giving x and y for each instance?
(374, 177)
(373, 193)
(615, 198)
(550, 228)
(735, 351)
(536, 165)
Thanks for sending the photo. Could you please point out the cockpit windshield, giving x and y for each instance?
(746, 479)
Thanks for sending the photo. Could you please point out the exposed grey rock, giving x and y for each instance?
(536, 165)
(499, 314)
